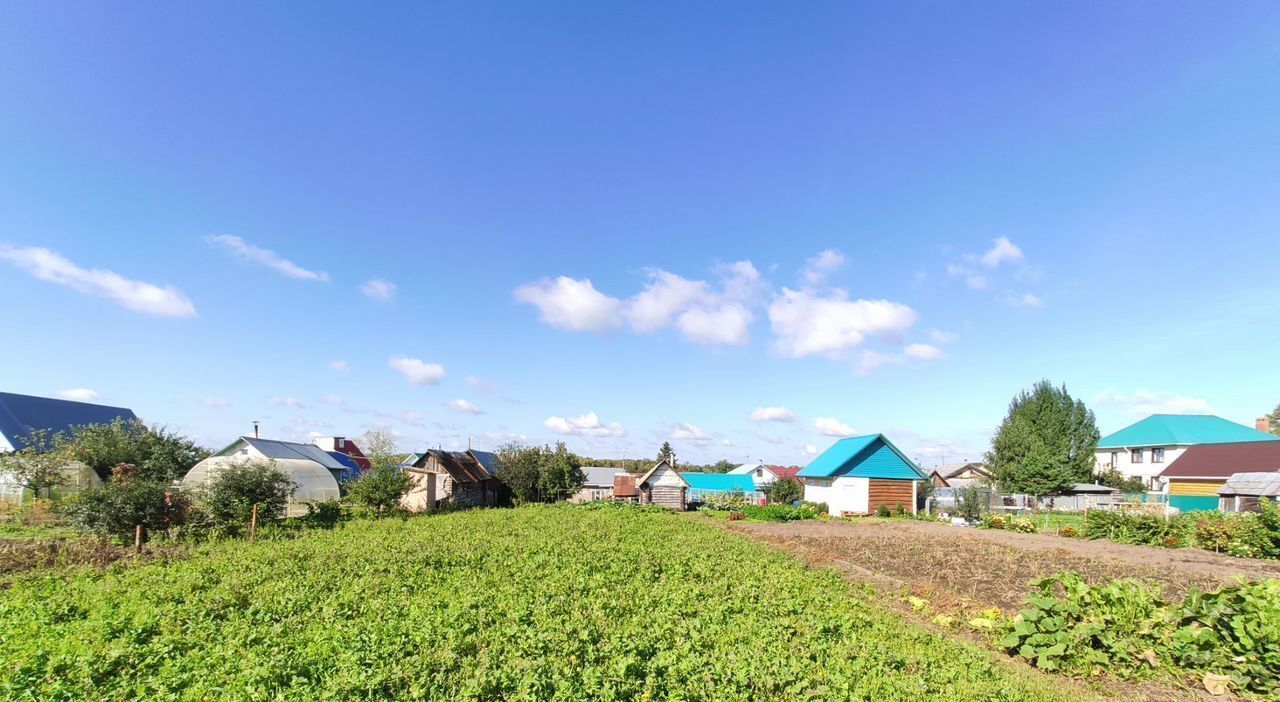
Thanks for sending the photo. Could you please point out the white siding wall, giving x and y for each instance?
(4, 444)
(1145, 470)
(840, 494)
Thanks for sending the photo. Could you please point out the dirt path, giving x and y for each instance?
(992, 568)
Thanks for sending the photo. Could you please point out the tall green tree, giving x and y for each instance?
(561, 473)
(381, 487)
(1045, 443)
(665, 453)
(539, 473)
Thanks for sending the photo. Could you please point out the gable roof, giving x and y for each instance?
(1225, 460)
(599, 477)
(1182, 430)
(664, 462)
(747, 468)
(784, 472)
(1252, 484)
(870, 456)
(463, 467)
(20, 415)
(487, 459)
(723, 482)
(287, 450)
(951, 470)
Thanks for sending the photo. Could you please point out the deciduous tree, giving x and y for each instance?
(38, 465)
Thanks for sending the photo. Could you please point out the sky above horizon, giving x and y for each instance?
(746, 229)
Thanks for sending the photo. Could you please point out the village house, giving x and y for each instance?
(958, 475)
(23, 416)
(597, 484)
(1145, 448)
(1196, 478)
(664, 486)
(463, 478)
(346, 447)
(314, 472)
(705, 486)
(859, 474)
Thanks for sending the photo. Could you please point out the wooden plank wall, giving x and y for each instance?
(889, 493)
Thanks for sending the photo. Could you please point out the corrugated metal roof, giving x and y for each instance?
(1225, 460)
(1182, 430)
(719, 482)
(624, 485)
(486, 459)
(22, 414)
(871, 456)
(1092, 488)
(599, 477)
(288, 450)
(1252, 484)
(461, 466)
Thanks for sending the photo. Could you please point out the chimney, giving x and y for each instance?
(255, 428)
(1262, 424)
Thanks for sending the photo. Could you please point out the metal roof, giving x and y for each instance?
(1182, 430)
(1252, 484)
(871, 456)
(20, 415)
(1225, 460)
(599, 477)
(719, 482)
(461, 466)
(486, 459)
(288, 450)
(1086, 488)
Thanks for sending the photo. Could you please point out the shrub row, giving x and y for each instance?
(1127, 628)
(1024, 525)
(1246, 535)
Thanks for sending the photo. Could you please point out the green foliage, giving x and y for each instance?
(780, 513)
(538, 603)
(159, 454)
(1245, 535)
(380, 488)
(882, 510)
(785, 491)
(1023, 525)
(37, 465)
(1112, 477)
(324, 514)
(229, 498)
(1273, 420)
(116, 508)
(971, 503)
(539, 473)
(1045, 443)
(1127, 628)
(665, 453)
(994, 521)
(734, 500)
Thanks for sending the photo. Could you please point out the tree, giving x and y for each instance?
(561, 473)
(381, 487)
(234, 490)
(37, 466)
(1045, 444)
(784, 491)
(539, 474)
(119, 506)
(159, 454)
(666, 454)
(721, 466)
(1112, 477)
(380, 448)
(1273, 420)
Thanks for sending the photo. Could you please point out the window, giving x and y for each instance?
(1157, 455)
(1135, 455)
(759, 472)
(1115, 459)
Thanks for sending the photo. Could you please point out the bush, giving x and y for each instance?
(324, 514)
(1245, 535)
(118, 507)
(971, 502)
(380, 488)
(785, 491)
(1023, 525)
(778, 513)
(235, 489)
(882, 510)
(994, 521)
(1069, 532)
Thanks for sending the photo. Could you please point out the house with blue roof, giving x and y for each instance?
(21, 415)
(704, 486)
(1145, 448)
(858, 474)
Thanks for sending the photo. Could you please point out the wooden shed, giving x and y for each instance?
(1243, 491)
(663, 486)
(464, 478)
(1196, 477)
(859, 474)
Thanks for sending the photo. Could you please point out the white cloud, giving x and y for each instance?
(1002, 251)
(869, 360)
(285, 402)
(78, 394)
(51, 267)
(830, 426)
(664, 296)
(566, 303)
(923, 352)
(1026, 300)
(810, 450)
(727, 324)
(417, 371)
(480, 385)
(1145, 402)
(819, 267)
(938, 336)
(463, 406)
(216, 402)
(265, 257)
(973, 279)
(379, 289)
(688, 432)
(772, 414)
(340, 366)
(334, 400)
(808, 324)
(588, 424)
(726, 442)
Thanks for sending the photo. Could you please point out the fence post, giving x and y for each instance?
(253, 522)
(137, 539)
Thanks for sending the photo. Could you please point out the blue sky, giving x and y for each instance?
(615, 224)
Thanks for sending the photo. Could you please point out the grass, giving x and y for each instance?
(537, 603)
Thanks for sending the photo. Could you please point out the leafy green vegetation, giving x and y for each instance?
(537, 603)
(1246, 535)
(1127, 628)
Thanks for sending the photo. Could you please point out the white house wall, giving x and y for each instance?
(1145, 470)
(841, 494)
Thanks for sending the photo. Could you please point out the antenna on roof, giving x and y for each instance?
(255, 428)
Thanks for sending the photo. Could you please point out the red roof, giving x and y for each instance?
(624, 485)
(784, 472)
(1225, 460)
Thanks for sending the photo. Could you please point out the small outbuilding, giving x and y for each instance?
(859, 474)
(1196, 477)
(1243, 491)
(625, 488)
(464, 478)
(313, 471)
(663, 486)
(597, 484)
(704, 486)
(958, 475)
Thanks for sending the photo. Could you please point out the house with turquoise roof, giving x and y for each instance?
(704, 486)
(858, 474)
(1145, 448)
